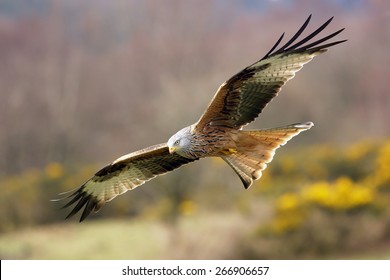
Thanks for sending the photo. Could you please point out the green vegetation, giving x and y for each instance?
(314, 202)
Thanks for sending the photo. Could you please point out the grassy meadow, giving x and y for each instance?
(203, 237)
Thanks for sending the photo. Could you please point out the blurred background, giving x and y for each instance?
(84, 82)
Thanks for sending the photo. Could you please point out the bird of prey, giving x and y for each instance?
(218, 132)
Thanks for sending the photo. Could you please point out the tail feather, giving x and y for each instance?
(257, 148)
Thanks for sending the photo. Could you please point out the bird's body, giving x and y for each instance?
(212, 143)
(219, 131)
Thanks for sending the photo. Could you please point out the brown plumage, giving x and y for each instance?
(218, 132)
(257, 148)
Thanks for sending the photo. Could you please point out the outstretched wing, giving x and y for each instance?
(241, 99)
(125, 173)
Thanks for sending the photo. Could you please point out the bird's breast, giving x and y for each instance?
(214, 143)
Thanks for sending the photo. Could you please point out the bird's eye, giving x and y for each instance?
(177, 142)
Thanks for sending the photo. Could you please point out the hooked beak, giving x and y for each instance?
(172, 150)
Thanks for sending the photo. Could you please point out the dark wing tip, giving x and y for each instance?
(247, 183)
(301, 45)
(81, 199)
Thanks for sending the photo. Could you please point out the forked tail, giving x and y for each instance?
(256, 148)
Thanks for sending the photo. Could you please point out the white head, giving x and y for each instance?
(180, 142)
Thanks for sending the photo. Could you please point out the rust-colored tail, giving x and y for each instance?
(256, 148)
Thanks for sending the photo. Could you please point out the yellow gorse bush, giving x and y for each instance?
(341, 181)
(187, 207)
(341, 195)
(358, 151)
(323, 177)
(54, 170)
(289, 213)
(288, 202)
(381, 175)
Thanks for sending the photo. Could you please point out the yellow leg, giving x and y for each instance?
(229, 151)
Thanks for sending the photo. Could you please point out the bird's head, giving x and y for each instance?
(180, 142)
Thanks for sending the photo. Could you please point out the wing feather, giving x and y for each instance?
(125, 173)
(242, 98)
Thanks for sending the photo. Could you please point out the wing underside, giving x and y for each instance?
(125, 173)
(243, 97)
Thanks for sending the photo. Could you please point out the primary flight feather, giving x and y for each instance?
(218, 133)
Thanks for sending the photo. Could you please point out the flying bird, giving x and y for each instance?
(218, 132)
